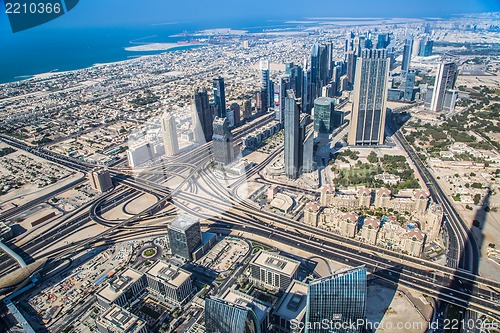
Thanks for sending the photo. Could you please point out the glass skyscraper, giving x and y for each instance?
(219, 97)
(223, 147)
(226, 317)
(369, 98)
(202, 116)
(184, 235)
(445, 80)
(292, 139)
(323, 115)
(339, 300)
(407, 51)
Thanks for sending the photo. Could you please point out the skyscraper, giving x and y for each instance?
(219, 97)
(202, 116)
(351, 68)
(184, 235)
(264, 84)
(407, 51)
(425, 46)
(323, 114)
(247, 110)
(446, 77)
(292, 139)
(169, 132)
(369, 98)
(235, 107)
(226, 317)
(409, 85)
(279, 97)
(339, 298)
(223, 149)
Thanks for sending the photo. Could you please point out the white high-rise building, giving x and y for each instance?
(169, 132)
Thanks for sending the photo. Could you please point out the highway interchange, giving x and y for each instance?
(201, 194)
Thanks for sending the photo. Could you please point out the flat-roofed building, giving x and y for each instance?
(260, 309)
(273, 271)
(291, 307)
(100, 179)
(122, 289)
(169, 282)
(119, 320)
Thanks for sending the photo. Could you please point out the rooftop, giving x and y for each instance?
(260, 308)
(183, 222)
(276, 262)
(169, 273)
(118, 285)
(292, 304)
(121, 319)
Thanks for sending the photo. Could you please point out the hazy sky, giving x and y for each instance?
(126, 12)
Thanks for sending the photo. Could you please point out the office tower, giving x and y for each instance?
(340, 298)
(100, 179)
(323, 114)
(169, 132)
(169, 282)
(296, 75)
(223, 149)
(264, 84)
(383, 41)
(202, 116)
(273, 271)
(306, 146)
(407, 51)
(279, 97)
(445, 80)
(235, 107)
(409, 86)
(222, 316)
(119, 320)
(307, 93)
(369, 99)
(219, 97)
(425, 47)
(292, 139)
(184, 235)
(247, 110)
(351, 68)
(315, 70)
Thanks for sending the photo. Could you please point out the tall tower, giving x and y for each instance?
(351, 67)
(265, 84)
(407, 51)
(369, 99)
(323, 114)
(169, 132)
(202, 116)
(292, 139)
(219, 97)
(445, 80)
(340, 297)
(223, 149)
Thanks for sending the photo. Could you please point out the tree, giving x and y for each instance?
(477, 198)
(372, 158)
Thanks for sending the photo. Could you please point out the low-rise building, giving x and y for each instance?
(169, 283)
(119, 320)
(122, 290)
(273, 271)
(291, 308)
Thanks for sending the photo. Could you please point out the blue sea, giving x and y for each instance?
(44, 49)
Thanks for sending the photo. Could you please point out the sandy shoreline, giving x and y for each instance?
(158, 47)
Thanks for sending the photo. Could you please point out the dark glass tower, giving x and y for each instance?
(202, 115)
(323, 114)
(225, 317)
(184, 235)
(337, 299)
(407, 50)
(223, 149)
(369, 98)
(219, 97)
(292, 139)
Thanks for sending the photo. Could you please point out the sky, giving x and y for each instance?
(95, 13)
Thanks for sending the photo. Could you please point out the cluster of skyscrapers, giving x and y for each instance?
(335, 303)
